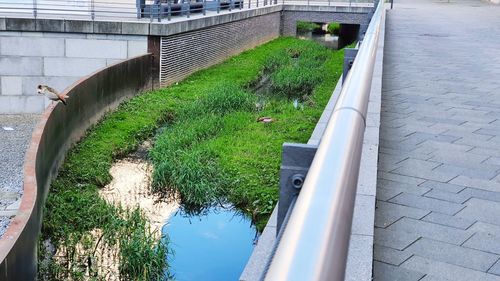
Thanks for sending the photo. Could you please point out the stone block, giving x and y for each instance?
(482, 210)
(446, 271)
(495, 269)
(11, 85)
(50, 25)
(107, 27)
(485, 242)
(32, 46)
(383, 271)
(21, 104)
(136, 48)
(389, 255)
(425, 203)
(135, 28)
(88, 48)
(364, 215)
(452, 254)
(359, 259)
(71, 66)
(78, 26)
(58, 83)
(388, 213)
(394, 239)
(19, 24)
(21, 66)
(430, 230)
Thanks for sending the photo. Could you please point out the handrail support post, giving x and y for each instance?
(349, 56)
(296, 159)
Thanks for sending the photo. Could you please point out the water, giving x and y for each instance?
(327, 40)
(215, 246)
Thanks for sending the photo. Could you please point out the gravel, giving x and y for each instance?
(15, 135)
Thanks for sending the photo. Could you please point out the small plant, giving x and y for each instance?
(333, 28)
(303, 26)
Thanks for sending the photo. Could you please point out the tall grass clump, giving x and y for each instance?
(333, 28)
(307, 26)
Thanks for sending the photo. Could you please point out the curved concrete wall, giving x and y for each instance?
(60, 127)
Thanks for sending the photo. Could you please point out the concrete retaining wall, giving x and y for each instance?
(292, 14)
(60, 127)
(55, 59)
(185, 53)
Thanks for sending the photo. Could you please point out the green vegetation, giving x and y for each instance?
(333, 28)
(210, 148)
(307, 26)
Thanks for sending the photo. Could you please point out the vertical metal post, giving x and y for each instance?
(188, 8)
(160, 12)
(218, 6)
(231, 3)
(349, 56)
(257, 3)
(34, 9)
(392, 4)
(296, 159)
(92, 10)
(328, 2)
(249, 1)
(204, 7)
(169, 10)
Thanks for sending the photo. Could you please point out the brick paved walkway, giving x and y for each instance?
(438, 190)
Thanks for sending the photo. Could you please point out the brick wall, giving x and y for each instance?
(185, 53)
(56, 59)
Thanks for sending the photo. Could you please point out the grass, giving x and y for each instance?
(333, 28)
(208, 147)
(307, 26)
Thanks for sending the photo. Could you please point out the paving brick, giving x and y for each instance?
(425, 203)
(430, 230)
(495, 269)
(385, 194)
(448, 220)
(480, 171)
(390, 255)
(387, 213)
(400, 178)
(476, 183)
(483, 210)
(486, 242)
(445, 270)
(452, 254)
(393, 239)
(402, 187)
(382, 271)
(442, 186)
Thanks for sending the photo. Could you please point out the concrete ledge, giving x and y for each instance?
(329, 9)
(163, 28)
(59, 128)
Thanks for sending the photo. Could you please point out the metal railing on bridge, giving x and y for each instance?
(313, 239)
(144, 10)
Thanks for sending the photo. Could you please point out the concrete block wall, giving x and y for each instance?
(291, 15)
(55, 59)
(185, 53)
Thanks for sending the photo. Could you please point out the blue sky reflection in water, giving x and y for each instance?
(215, 246)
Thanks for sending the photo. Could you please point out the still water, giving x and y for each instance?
(325, 39)
(214, 246)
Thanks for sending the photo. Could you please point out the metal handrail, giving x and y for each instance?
(315, 241)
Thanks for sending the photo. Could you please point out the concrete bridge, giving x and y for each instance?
(426, 203)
